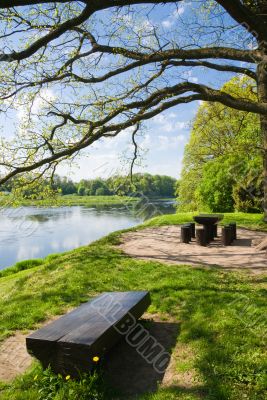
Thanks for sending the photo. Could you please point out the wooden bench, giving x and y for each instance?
(69, 344)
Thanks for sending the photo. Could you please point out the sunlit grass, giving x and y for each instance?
(250, 221)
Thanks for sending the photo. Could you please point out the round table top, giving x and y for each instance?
(219, 216)
(206, 220)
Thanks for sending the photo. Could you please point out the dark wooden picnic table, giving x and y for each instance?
(209, 222)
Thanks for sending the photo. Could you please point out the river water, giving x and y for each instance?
(31, 232)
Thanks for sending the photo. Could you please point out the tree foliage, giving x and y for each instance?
(223, 159)
(140, 185)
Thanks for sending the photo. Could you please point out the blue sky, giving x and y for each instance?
(163, 138)
(161, 143)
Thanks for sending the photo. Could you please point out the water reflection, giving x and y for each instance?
(29, 232)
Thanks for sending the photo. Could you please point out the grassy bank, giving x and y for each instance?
(244, 220)
(220, 316)
(68, 200)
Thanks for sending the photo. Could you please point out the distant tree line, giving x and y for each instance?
(222, 166)
(141, 184)
(146, 184)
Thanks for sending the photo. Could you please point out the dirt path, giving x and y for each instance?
(14, 359)
(163, 244)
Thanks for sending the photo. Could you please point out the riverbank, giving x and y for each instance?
(219, 352)
(68, 200)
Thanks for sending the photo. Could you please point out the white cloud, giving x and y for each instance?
(147, 26)
(144, 25)
(114, 143)
(162, 143)
(167, 23)
(181, 125)
(165, 168)
(160, 118)
(190, 77)
(41, 100)
(166, 142)
(171, 20)
(193, 79)
(179, 11)
(105, 160)
(45, 97)
(145, 142)
(167, 123)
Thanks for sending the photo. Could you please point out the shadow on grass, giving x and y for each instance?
(219, 325)
(129, 373)
(177, 392)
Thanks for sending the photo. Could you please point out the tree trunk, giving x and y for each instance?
(264, 130)
(262, 93)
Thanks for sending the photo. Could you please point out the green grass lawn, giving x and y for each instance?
(221, 316)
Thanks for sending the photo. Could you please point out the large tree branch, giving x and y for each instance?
(251, 21)
(206, 93)
(97, 4)
(72, 77)
(228, 53)
(89, 139)
(20, 3)
(217, 67)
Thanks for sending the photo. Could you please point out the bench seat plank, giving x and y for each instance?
(69, 343)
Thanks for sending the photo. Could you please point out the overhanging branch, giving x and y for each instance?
(145, 109)
(52, 35)
(227, 53)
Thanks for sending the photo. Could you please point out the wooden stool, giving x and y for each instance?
(233, 226)
(227, 233)
(201, 237)
(185, 233)
(193, 228)
(215, 230)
